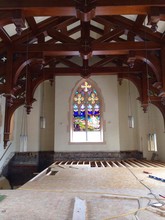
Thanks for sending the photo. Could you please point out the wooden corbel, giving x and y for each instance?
(144, 92)
(85, 52)
(85, 16)
(131, 59)
(85, 10)
(154, 18)
(19, 21)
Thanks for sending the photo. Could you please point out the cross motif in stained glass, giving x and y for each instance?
(86, 86)
(93, 98)
(79, 99)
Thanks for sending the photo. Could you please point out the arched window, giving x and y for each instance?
(86, 121)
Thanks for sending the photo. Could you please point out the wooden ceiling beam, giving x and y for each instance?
(104, 61)
(32, 24)
(60, 36)
(45, 25)
(110, 35)
(93, 70)
(115, 47)
(68, 8)
(96, 49)
(5, 37)
(142, 31)
(68, 63)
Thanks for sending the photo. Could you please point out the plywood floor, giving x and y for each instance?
(109, 192)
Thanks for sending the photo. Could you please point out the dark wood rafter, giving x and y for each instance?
(94, 32)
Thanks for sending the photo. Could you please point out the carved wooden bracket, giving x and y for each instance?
(19, 21)
(85, 16)
(131, 59)
(85, 52)
(154, 18)
(86, 10)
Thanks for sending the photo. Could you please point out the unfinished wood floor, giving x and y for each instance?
(122, 163)
(114, 191)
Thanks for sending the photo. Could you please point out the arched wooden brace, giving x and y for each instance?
(151, 60)
(134, 80)
(23, 65)
(161, 107)
(12, 104)
(143, 98)
(43, 77)
(137, 83)
(10, 108)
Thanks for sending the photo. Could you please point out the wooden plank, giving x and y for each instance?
(152, 164)
(132, 163)
(114, 164)
(160, 164)
(108, 164)
(102, 164)
(79, 211)
(120, 164)
(147, 165)
(138, 163)
(126, 164)
(96, 164)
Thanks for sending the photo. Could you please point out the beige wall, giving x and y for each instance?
(109, 90)
(128, 136)
(33, 130)
(47, 100)
(117, 135)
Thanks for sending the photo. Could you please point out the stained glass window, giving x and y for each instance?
(86, 114)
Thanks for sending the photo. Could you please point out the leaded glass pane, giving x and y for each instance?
(86, 113)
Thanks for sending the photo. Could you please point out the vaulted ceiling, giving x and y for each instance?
(42, 39)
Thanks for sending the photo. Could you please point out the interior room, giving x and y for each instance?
(82, 110)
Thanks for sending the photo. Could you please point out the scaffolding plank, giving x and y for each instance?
(79, 211)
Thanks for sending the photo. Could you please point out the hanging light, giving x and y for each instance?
(23, 134)
(42, 122)
(42, 117)
(152, 142)
(131, 123)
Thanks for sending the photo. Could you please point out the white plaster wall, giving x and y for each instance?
(2, 119)
(47, 134)
(128, 136)
(159, 129)
(33, 131)
(109, 90)
(6, 152)
(151, 122)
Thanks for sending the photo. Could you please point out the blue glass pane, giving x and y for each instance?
(88, 96)
(97, 109)
(75, 107)
(95, 91)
